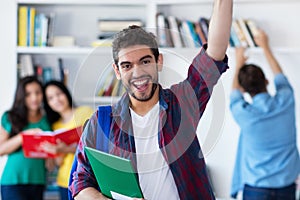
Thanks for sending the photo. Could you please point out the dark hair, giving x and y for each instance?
(53, 116)
(134, 35)
(252, 79)
(18, 114)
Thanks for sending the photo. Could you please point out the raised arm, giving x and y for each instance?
(261, 40)
(219, 29)
(240, 60)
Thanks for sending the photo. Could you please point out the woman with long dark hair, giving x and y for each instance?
(23, 178)
(63, 114)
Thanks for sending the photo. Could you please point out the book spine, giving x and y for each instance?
(239, 33)
(22, 26)
(31, 26)
(246, 32)
(175, 31)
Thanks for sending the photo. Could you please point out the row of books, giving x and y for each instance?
(109, 85)
(243, 32)
(34, 29)
(173, 32)
(43, 73)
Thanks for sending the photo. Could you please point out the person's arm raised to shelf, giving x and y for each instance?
(262, 41)
(240, 60)
(219, 29)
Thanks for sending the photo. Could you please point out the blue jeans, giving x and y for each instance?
(63, 193)
(22, 192)
(257, 193)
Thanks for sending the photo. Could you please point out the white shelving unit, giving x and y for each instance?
(279, 18)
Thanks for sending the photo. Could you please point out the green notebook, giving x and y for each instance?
(114, 174)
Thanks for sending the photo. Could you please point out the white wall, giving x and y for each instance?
(7, 57)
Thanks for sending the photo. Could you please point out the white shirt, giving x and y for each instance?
(155, 177)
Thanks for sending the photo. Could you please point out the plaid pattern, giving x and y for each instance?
(181, 108)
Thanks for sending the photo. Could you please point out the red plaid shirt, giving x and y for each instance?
(181, 108)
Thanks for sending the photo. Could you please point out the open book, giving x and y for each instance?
(32, 141)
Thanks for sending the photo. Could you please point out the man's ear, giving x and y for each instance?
(117, 72)
(267, 82)
(160, 62)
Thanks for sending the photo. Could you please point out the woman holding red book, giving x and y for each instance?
(62, 114)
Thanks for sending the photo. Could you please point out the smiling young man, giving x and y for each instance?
(154, 127)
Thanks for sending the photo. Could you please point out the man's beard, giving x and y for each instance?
(154, 86)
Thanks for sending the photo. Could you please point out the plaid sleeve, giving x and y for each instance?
(84, 177)
(203, 75)
(205, 72)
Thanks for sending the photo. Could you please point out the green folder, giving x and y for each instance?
(113, 174)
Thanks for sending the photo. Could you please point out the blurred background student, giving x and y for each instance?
(62, 114)
(23, 178)
(267, 162)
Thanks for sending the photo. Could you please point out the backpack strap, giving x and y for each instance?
(104, 122)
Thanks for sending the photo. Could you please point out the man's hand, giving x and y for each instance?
(261, 39)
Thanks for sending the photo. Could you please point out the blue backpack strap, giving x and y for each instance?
(104, 127)
(104, 122)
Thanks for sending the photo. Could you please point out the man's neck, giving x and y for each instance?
(143, 107)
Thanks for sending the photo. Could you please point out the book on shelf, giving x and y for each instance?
(189, 34)
(204, 24)
(26, 67)
(32, 141)
(163, 31)
(105, 81)
(174, 31)
(116, 25)
(102, 43)
(30, 27)
(252, 28)
(50, 28)
(239, 33)
(22, 25)
(246, 32)
(234, 40)
(200, 33)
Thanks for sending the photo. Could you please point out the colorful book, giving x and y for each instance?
(22, 26)
(32, 141)
(174, 31)
(31, 25)
(246, 32)
(238, 30)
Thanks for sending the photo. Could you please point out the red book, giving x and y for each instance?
(32, 141)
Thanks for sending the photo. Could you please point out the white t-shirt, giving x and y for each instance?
(155, 177)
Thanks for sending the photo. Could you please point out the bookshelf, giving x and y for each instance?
(85, 64)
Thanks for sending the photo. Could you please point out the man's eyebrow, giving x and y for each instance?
(146, 56)
(125, 62)
(142, 58)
